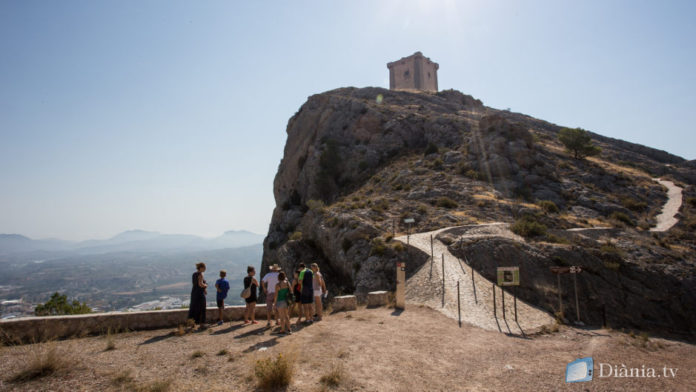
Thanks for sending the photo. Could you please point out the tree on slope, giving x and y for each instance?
(578, 142)
(58, 305)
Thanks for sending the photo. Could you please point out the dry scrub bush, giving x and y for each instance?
(154, 386)
(110, 344)
(272, 374)
(42, 364)
(197, 354)
(334, 377)
(123, 378)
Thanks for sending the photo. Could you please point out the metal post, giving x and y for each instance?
(459, 306)
(443, 273)
(443, 280)
(577, 306)
(502, 296)
(432, 253)
(495, 309)
(473, 284)
(514, 299)
(560, 302)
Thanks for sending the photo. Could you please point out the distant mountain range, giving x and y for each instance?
(128, 241)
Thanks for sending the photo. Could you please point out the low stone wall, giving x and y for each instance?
(344, 302)
(377, 298)
(37, 329)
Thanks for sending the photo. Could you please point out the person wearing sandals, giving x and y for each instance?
(198, 293)
(296, 286)
(268, 284)
(319, 289)
(306, 280)
(280, 302)
(250, 311)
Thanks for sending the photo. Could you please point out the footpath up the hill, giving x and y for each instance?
(374, 349)
(476, 293)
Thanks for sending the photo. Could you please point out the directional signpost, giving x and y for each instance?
(508, 276)
(409, 222)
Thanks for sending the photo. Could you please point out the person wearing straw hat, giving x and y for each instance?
(268, 283)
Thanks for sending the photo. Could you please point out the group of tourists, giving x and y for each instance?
(303, 295)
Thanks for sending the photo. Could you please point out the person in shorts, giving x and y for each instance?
(306, 279)
(319, 290)
(250, 283)
(268, 284)
(222, 286)
(280, 302)
(296, 287)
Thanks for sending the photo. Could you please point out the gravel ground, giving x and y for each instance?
(376, 349)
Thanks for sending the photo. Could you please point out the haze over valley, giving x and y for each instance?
(121, 272)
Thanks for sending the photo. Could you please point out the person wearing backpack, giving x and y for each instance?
(250, 283)
(222, 286)
(296, 286)
(306, 280)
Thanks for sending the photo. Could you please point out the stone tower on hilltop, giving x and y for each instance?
(415, 72)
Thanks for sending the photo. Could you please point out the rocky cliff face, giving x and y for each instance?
(359, 161)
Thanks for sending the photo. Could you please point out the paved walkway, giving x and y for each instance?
(426, 286)
(667, 218)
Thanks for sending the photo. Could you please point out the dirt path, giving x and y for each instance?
(426, 287)
(667, 218)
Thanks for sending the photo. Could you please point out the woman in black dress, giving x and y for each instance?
(250, 281)
(198, 292)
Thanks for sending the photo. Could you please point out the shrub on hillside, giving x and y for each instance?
(622, 217)
(398, 247)
(431, 149)
(691, 201)
(446, 202)
(610, 252)
(578, 142)
(437, 164)
(528, 226)
(556, 239)
(296, 236)
(316, 205)
(378, 247)
(633, 204)
(549, 206)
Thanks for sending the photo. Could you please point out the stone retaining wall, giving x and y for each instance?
(36, 329)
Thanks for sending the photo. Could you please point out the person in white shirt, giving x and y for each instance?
(319, 289)
(268, 283)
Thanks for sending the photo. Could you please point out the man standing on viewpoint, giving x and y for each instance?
(269, 283)
(306, 279)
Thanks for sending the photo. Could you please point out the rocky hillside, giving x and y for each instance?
(359, 161)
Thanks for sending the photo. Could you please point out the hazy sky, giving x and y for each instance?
(170, 116)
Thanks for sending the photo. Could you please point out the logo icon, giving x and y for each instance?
(580, 370)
